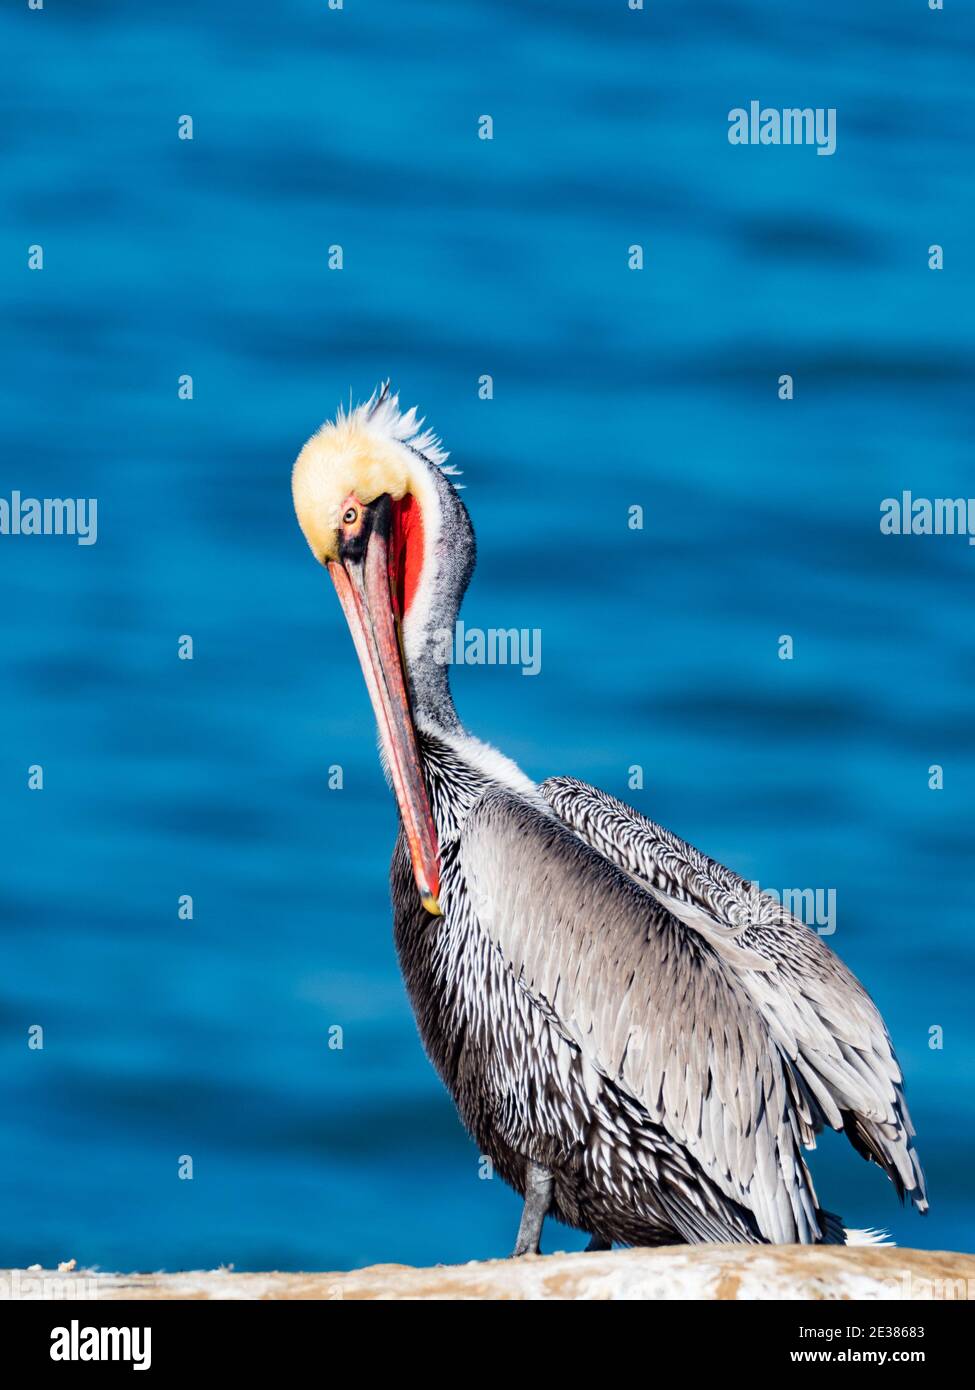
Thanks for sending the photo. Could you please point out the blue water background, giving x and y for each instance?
(613, 388)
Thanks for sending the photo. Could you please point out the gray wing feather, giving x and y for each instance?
(844, 1071)
(654, 1008)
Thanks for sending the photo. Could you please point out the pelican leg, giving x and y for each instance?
(538, 1199)
(597, 1243)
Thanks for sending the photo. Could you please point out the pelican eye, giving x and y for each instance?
(350, 517)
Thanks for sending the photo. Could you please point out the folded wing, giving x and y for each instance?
(655, 1006)
(820, 1017)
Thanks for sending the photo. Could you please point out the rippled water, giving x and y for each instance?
(612, 388)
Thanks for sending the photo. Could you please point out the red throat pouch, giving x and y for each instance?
(406, 551)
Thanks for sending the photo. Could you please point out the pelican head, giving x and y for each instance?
(372, 502)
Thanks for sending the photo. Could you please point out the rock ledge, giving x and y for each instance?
(676, 1272)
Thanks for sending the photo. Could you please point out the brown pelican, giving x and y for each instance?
(641, 1043)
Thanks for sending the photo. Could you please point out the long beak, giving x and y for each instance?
(363, 587)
